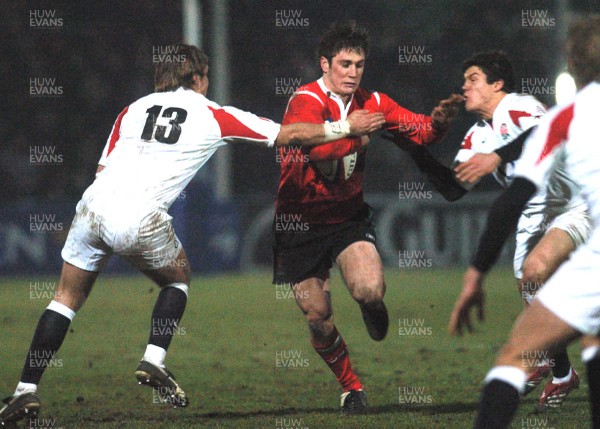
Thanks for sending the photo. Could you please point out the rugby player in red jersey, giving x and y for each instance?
(322, 191)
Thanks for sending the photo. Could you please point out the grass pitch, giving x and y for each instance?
(242, 355)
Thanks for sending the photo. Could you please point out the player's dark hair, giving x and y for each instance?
(496, 66)
(583, 48)
(178, 67)
(342, 36)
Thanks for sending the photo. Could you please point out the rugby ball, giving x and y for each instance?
(329, 168)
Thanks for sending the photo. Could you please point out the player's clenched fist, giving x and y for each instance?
(446, 110)
(362, 122)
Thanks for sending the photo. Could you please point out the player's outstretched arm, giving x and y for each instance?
(502, 220)
(359, 122)
(440, 176)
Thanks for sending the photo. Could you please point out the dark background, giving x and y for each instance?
(102, 58)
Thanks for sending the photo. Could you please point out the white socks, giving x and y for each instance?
(510, 375)
(155, 355)
(25, 388)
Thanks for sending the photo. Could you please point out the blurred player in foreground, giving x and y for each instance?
(569, 304)
(156, 146)
(322, 189)
(552, 224)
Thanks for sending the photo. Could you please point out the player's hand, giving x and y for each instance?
(479, 165)
(446, 110)
(362, 122)
(471, 296)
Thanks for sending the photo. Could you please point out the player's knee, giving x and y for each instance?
(535, 271)
(368, 293)
(318, 316)
(320, 324)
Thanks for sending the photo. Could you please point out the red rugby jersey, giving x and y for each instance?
(323, 184)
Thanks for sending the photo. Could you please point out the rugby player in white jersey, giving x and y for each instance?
(554, 222)
(156, 146)
(568, 305)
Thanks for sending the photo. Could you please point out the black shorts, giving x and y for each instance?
(308, 252)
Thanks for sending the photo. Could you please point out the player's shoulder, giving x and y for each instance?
(365, 96)
(523, 102)
(309, 93)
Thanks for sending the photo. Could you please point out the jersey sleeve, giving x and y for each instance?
(417, 127)
(307, 107)
(115, 133)
(236, 125)
(541, 147)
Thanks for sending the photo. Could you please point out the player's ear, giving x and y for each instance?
(499, 85)
(324, 64)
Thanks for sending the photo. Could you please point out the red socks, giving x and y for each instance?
(335, 354)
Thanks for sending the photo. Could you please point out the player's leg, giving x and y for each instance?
(362, 271)
(84, 255)
(314, 299)
(164, 261)
(558, 315)
(544, 259)
(73, 289)
(590, 355)
(537, 331)
(173, 280)
(303, 260)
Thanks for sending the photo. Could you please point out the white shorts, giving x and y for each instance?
(575, 222)
(144, 238)
(573, 292)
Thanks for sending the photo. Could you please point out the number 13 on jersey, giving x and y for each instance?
(162, 133)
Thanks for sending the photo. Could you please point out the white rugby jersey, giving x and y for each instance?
(160, 141)
(515, 114)
(568, 132)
